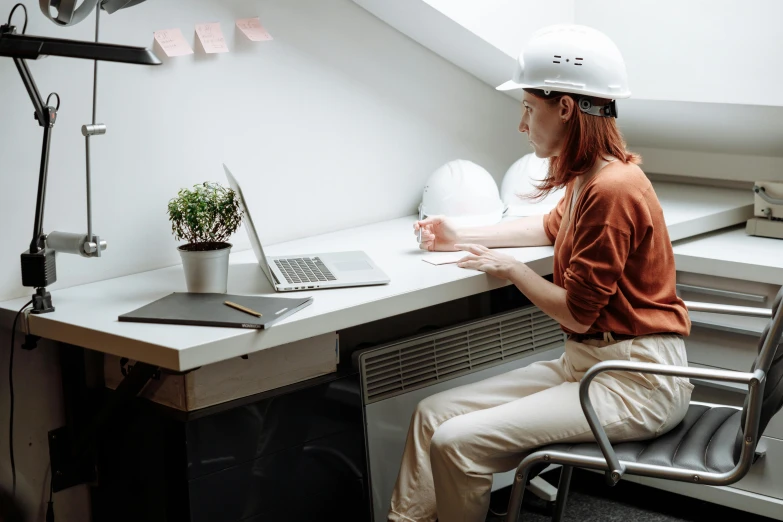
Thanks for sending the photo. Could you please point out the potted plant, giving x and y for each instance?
(205, 216)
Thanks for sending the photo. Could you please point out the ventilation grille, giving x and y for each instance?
(398, 368)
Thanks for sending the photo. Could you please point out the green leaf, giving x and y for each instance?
(206, 213)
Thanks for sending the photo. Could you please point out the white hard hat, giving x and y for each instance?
(573, 59)
(463, 191)
(521, 179)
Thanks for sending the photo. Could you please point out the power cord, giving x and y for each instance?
(11, 390)
(10, 16)
(50, 504)
(13, 328)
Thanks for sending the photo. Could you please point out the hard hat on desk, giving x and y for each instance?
(521, 180)
(463, 191)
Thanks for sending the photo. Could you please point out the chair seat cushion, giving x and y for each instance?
(703, 441)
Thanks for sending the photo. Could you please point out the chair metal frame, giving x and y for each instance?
(614, 467)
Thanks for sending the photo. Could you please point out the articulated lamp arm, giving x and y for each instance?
(38, 263)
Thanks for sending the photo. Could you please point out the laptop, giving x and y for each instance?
(309, 271)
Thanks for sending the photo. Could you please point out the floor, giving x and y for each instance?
(591, 500)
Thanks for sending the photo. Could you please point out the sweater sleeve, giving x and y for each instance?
(597, 262)
(605, 224)
(553, 219)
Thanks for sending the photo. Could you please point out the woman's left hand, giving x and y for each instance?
(485, 260)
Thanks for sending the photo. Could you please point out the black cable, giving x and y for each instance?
(24, 28)
(11, 389)
(50, 504)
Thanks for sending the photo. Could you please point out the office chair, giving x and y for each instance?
(713, 445)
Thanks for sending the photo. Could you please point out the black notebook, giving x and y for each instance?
(211, 310)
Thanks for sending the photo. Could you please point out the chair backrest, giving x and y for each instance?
(770, 361)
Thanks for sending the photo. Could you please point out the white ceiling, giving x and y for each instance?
(464, 33)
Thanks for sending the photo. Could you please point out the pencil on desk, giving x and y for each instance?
(243, 309)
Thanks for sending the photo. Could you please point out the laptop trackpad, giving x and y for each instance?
(347, 266)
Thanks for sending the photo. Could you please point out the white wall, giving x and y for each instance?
(706, 98)
(716, 51)
(38, 409)
(341, 119)
(482, 38)
(341, 109)
(705, 102)
(506, 24)
(713, 51)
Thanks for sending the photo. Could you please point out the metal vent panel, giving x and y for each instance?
(399, 367)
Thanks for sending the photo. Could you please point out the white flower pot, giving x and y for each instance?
(206, 271)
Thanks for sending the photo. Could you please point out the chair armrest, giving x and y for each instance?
(750, 311)
(616, 469)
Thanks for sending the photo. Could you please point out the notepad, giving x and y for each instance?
(209, 309)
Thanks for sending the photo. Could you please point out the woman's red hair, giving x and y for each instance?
(589, 137)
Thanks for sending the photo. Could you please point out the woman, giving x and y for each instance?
(613, 294)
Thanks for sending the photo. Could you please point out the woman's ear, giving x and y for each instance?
(567, 108)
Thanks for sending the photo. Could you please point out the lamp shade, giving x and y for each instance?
(111, 6)
(66, 12)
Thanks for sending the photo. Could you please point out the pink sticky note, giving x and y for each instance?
(253, 29)
(211, 37)
(172, 42)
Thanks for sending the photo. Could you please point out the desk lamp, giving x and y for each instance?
(38, 263)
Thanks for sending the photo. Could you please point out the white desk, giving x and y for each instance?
(732, 253)
(86, 315)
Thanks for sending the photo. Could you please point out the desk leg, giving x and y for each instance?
(70, 446)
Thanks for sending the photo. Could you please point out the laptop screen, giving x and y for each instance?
(258, 250)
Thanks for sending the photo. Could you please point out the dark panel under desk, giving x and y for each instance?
(242, 434)
(274, 456)
(324, 479)
(141, 469)
(292, 454)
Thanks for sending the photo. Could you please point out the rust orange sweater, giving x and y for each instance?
(615, 258)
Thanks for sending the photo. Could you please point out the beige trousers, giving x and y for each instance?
(459, 438)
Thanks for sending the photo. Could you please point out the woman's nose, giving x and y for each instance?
(523, 126)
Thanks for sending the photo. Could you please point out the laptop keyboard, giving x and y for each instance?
(304, 270)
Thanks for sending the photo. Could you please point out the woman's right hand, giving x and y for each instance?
(438, 234)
